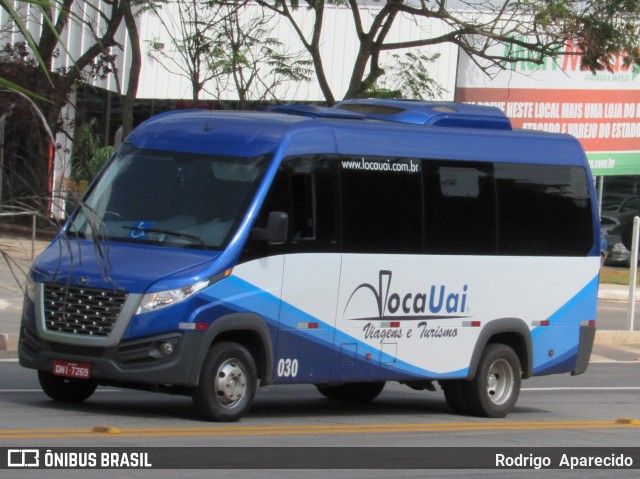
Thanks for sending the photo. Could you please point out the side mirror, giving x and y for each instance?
(276, 231)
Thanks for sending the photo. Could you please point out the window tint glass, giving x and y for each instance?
(381, 205)
(170, 198)
(460, 214)
(543, 210)
(306, 189)
(315, 197)
(413, 206)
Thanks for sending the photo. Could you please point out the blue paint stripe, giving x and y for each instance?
(563, 331)
(241, 295)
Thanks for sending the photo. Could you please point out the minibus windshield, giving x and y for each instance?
(169, 198)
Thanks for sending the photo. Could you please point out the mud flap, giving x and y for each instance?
(587, 337)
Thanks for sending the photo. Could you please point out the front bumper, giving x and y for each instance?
(132, 362)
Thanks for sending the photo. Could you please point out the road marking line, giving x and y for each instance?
(613, 361)
(10, 360)
(586, 388)
(19, 390)
(38, 390)
(318, 429)
(625, 420)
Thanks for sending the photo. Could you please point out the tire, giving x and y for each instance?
(64, 389)
(227, 383)
(352, 392)
(495, 389)
(455, 393)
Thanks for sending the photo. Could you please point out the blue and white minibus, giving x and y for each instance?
(378, 240)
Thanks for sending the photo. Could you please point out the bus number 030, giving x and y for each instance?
(288, 368)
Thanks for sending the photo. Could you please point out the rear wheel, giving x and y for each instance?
(227, 383)
(66, 389)
(353, 392)
(455, 393)
(495, 389)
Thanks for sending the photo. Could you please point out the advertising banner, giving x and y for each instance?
(602, 110)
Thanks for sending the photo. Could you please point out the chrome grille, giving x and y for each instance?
(79, 310)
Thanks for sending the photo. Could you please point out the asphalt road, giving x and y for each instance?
(612, 315)
(556, 411)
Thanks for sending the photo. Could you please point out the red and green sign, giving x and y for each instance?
(601, 110)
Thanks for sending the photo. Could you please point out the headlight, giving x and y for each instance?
(30, 288)
(155, 301)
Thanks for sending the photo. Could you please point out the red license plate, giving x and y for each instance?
(71, 370)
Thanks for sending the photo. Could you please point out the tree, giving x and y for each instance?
(134, 72)
(191, 25)
(226, 48)
(250, 61)
(88, 155)
(22, 28)
(601, 28)
(93, 62)
(407, 77)
(32, 66)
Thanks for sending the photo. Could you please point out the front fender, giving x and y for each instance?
(235, 325)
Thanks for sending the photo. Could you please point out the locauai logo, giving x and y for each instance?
(437, 301)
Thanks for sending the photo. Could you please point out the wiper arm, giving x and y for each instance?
(167, 232)
(76, 233)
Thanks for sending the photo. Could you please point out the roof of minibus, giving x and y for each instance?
(249, 134)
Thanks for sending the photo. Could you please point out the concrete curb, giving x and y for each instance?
(617, 338)
(613, 292)
(8, 342)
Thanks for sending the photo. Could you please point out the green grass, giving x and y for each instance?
(615, 276)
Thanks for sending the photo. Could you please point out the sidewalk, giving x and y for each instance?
(616, 292)
(16, 259)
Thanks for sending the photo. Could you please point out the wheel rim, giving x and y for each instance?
(500, 382)
(230, 383)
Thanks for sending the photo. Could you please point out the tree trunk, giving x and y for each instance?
(134, 72)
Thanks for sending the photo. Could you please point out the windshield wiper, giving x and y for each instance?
(76, 233)
(167, 232)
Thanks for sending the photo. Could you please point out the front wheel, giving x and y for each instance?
(495, 389)
(66, 389)
(352, 392)
(227, 383)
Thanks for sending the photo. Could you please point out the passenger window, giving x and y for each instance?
(460, 211)
(381, 205)
(544, 210)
